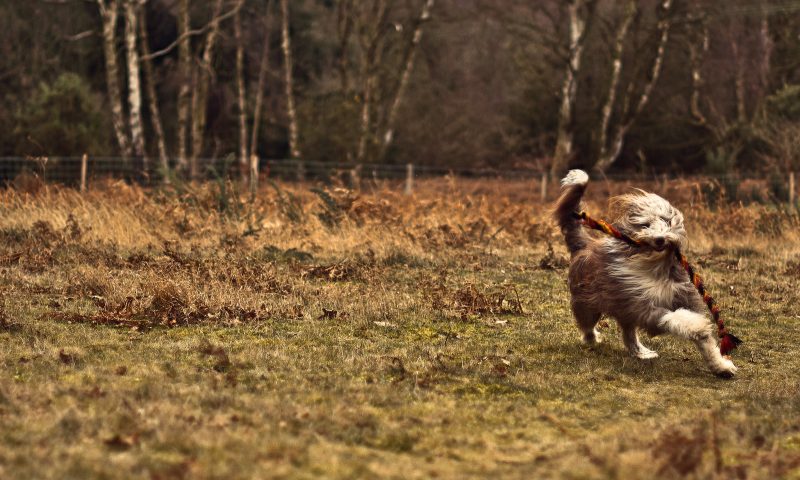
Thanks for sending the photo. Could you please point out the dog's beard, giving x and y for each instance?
(670, 242)
(660, 248)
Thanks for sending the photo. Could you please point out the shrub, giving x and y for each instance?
(785, 102)
(62, 118)
(721, 163)
(330, 128)
(778, 189)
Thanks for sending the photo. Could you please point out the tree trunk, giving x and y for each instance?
(373, 30)
(696, 57)
(262, 79)
(569, 88)
(134, 83)
(185, 75)
(366, 108)
(344, 28)
(616, 70)
(244, 159)
(150, 85)
(109, 13)
(200, 93)
(664, 26)
(741, 102)
(767, 46)
(408, 66)
(294, 147)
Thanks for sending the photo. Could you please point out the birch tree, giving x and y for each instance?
(185, 75)
(739, 82)
(580, 13)
(244, 159)
(109, 14)
(200, 93)
(194, 81)
(698, 49)
(629, 118)
(620, 41)
(150, 86)
(382, 91)
(372, 31)
(751, 47)
(134, 81)
(344, 30)
(286, 45)
(262, 79)
(408, 66)
(767, 47)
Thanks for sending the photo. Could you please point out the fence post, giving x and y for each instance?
(301, 171)
(409, 178)
(544, 187)
(791, 188)
(355, 177)
(253, 174)
(84, 168)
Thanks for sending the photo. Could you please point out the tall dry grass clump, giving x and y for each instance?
(441, 214)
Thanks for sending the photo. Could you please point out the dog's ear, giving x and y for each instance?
(619, 206)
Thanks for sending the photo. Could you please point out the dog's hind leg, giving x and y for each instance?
(697, 328)
(631, 339)
(586, 320)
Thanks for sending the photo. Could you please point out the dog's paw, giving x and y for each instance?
(645, 354)
(724, 369)
(592, 338)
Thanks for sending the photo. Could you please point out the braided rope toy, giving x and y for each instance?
(727, 341)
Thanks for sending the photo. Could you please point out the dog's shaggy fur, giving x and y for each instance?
(641, 288)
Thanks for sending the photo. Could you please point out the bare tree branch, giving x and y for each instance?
(193, 33)
(80, 36)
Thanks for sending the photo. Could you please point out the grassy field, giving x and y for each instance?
(190, 334)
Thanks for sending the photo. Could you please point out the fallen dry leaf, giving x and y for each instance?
(331, 314)
(122, 442)
(66, 358)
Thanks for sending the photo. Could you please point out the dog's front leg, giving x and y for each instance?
(697, 328)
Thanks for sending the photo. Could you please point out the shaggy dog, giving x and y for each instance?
(641, 288)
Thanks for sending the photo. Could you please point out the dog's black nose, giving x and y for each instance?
(659, 241)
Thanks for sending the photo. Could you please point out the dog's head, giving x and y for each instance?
(651, 220)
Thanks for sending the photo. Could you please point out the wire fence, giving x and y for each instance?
(67, 170)
(80, 172)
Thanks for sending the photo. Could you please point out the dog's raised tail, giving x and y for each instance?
(572, 187)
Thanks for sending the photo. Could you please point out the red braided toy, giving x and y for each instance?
(727, 341)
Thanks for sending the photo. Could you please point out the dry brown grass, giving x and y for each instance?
(196, 335)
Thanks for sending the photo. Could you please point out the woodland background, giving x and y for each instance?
(687, 86)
